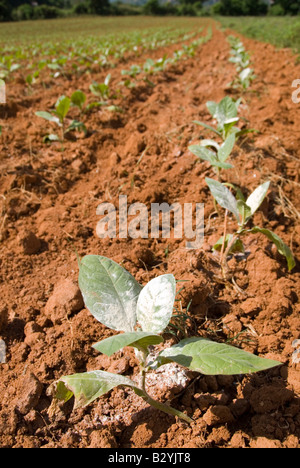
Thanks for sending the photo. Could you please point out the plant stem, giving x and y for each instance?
(166, 408)
(224, 241)
(157, 404)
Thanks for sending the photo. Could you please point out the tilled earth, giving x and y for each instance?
(48, 200)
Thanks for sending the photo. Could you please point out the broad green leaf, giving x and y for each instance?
(226, 148)
(203, 153)
(109, 292)
(257, 196)
(208, 155)
(282, 248)
(212, 107)
(237, 245)
(62, 107)
(210, 358)
(155, 304)
(245, 212)
(47, 116)
(225, 111)
(88, 386)
(208, 127)
(78, 98)
(223, 196)
(138, 339)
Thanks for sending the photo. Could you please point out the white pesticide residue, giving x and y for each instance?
(2, 352)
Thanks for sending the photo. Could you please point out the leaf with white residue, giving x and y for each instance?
(211, 358)
(88, 386)
(109, 292)
(138, 339)
(155, 304)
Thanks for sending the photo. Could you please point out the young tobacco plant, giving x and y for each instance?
(59, 117)
(226, 115)
(117, 300)
(241, 58)
(243, 210)
(216, 156)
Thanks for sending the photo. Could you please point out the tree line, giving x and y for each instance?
(19, 10)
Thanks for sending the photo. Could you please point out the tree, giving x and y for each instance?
(291, 7)
(5, 10)
(99, 7)
(241, 7)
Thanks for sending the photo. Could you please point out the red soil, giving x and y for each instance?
(49, 200)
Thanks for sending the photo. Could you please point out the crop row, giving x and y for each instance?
(88, 55)
(142, 314)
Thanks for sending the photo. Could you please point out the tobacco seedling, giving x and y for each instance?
(226, 115)
(78, 99)
(101, 90)
(241, 58)
(243, 79)
(243, 210)
(219, 156)
(117, 300)
(59, 117)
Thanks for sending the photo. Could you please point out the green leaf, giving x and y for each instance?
(208, 127)
(225, 111)
(208, 155)
(237, 246)
(62, 107)
(226, 148)
(210, 358)
(155, 304)
(75, 125)
(88, 386)
(138, 339)
(47, 116)
(78, 99)
(203, 153)
(245, 212)
(223, 196)
(282, 248)
(100, 90)
(212, 107)
(109, 292)
(257, 196)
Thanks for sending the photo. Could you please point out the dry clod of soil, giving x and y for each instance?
(65, 300)
(218, 414)
(29, 393)
(30, 243)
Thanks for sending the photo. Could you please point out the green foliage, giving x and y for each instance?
(243, 210)
(5, 10)
(241, 58)
(226, 115)
(241, 8)
(98, 7)
(219, 156)
(58, 116)
(288, 7)
(115, 298)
